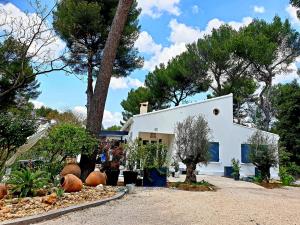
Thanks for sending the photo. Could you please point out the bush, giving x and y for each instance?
(26, 182)
(65, 140)
(263, 153)
(235, 167)
(285, 177)
(154, 155)
(14, 130)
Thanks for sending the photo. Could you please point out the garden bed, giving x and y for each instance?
(270, 185)
(21, 207)
(199, 186)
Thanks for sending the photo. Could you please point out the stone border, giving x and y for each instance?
(62, 211)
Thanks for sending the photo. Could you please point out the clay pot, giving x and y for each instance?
(71, 168)
(3, 190)
(71, 183)
(95, 178)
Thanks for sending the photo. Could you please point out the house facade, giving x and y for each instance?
(228, 139)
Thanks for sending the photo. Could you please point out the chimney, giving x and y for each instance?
(143, 107)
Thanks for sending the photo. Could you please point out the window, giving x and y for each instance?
(214, 152)
(216, 112)
(245, 150)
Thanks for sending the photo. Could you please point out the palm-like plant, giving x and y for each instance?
(26, 182)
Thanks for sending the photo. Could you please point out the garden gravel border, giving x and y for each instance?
(62, 211)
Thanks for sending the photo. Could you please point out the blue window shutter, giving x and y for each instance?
(214, 152)
(245, 150)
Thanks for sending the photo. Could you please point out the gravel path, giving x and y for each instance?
(234, 203)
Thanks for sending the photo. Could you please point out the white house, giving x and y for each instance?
(228, 139)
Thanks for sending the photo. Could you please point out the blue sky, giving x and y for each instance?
(167, 26)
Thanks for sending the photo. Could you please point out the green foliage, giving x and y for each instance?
(59, 192)
(151, 155)
(286, 99)
(14, 130)
(263, 153)
(235, 167)
(271, 48)
(17, 81)
(133, 153)
(65, 140)
(229, 71)
(155, 155)
(114, 128)
(175, 81)
(296, 3)
(258, 179)
(84, 26)
(285, 177)
(131, 105)
(26, 182)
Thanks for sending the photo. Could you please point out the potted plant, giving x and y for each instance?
(111, 165)
(131, 156)
(235, 169)
(154, 161)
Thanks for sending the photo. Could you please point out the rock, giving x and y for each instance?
(100, 187)
(50, 199)
(14, 201)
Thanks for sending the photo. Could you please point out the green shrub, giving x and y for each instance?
(59, 192)
(285, 177)
(26, 182)
(235, 167)
(258, 179)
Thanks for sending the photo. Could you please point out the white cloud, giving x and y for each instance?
(125, 82)
(109, 118)
(195, 9)
(37, 104)
(292, 11)
(155, 8)
(259, 9)
(46, 44)
(145, 43)
(181, 34)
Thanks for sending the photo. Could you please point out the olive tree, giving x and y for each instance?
(192, 144)
(263, 153)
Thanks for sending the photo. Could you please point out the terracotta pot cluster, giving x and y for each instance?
(71, 183)
(95, 178)
(3, 190)
(71, 168)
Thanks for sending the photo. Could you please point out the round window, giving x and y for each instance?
(216, 112)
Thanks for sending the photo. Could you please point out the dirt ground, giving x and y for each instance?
(235, 202)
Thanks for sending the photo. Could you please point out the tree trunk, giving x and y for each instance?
(190, 173)
(97, 103)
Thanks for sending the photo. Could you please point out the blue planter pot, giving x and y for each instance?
(155, 177)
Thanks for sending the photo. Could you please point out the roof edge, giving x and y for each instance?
(185, 105)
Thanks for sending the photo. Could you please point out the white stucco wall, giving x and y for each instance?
(229, 135)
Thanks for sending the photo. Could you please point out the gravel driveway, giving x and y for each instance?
(236, 202)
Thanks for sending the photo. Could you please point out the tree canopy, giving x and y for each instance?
(131, 105)
(287, 104)
(84, 26)
(271, 48)
(17, 80)
(175, 81)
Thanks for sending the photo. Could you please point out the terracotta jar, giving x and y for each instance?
(71, 168)
(71, 183)
(95, 178)
(3, 190)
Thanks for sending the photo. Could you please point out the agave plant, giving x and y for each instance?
(26, 182)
